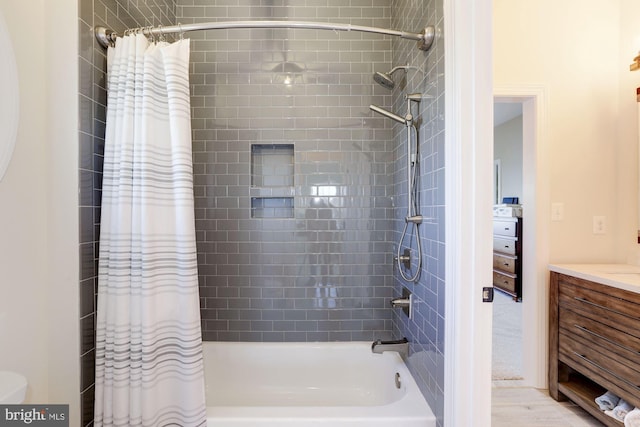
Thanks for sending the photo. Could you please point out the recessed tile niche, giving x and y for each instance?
(272, 180)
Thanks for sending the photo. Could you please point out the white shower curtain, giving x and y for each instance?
(149, 368)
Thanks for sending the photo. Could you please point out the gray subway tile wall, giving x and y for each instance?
(426, 330)
(118, 15)
(302, 252)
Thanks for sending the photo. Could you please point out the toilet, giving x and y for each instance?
(13, 388)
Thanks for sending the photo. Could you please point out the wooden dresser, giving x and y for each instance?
(507, 255)
(594, 339)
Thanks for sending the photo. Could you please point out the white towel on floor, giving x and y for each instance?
(621, 410)
(607, 401)
(633, 418)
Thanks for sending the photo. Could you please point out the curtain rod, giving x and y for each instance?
(424, 39)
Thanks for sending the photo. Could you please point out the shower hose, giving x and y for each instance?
(412, 206)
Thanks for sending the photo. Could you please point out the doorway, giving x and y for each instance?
(506, 362)
(536, 217)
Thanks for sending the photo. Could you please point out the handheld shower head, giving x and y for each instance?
(385, 80)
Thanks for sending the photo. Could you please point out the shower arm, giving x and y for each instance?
(424, 39)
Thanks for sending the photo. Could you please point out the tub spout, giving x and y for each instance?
(401, 346)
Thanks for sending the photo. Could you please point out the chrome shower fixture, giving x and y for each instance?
(385, 80)
(406, 120)
(388, 114)
(403, 258)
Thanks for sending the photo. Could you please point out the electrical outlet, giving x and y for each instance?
(599, 225)
(557, 211)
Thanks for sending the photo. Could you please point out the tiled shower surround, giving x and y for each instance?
(300, 188)
(426, 330)
(317, 265)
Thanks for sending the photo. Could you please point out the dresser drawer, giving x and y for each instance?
(505, 228)
(504, 281)
(507, 246)
(505, 263)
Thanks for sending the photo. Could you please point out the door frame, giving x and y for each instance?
(469, 98)
(468, 200)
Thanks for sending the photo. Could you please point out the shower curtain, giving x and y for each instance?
(149, 369)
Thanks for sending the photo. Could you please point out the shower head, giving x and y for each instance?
(385, 80)
(388, 114)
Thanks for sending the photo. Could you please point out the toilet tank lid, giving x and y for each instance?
(10, 383)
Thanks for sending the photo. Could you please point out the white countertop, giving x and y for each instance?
(621, 276)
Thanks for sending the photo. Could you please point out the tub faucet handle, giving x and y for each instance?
(400, 302)
(405, 302)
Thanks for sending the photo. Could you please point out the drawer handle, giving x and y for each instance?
(506, 264)
(602, 337)
(586, 301)
(586, 359)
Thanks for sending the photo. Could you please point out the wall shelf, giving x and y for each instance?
(272, 181)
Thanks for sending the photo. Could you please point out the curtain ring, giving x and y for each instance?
(181, 31)
(161, 38)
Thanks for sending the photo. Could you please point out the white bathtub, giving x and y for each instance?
(310, 384)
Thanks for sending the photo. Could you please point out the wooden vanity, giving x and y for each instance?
(594, 334)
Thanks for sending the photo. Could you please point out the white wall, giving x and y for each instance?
(571, 48)
(39, 304)
(627, 159)
(507, 146)
(23, 212)
(62, 48)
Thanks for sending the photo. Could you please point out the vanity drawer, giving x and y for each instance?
(619, 344)
(597, 363)
(505, 228)
(507, 246)
(617, 313)
(504, 281)
(505, 263)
